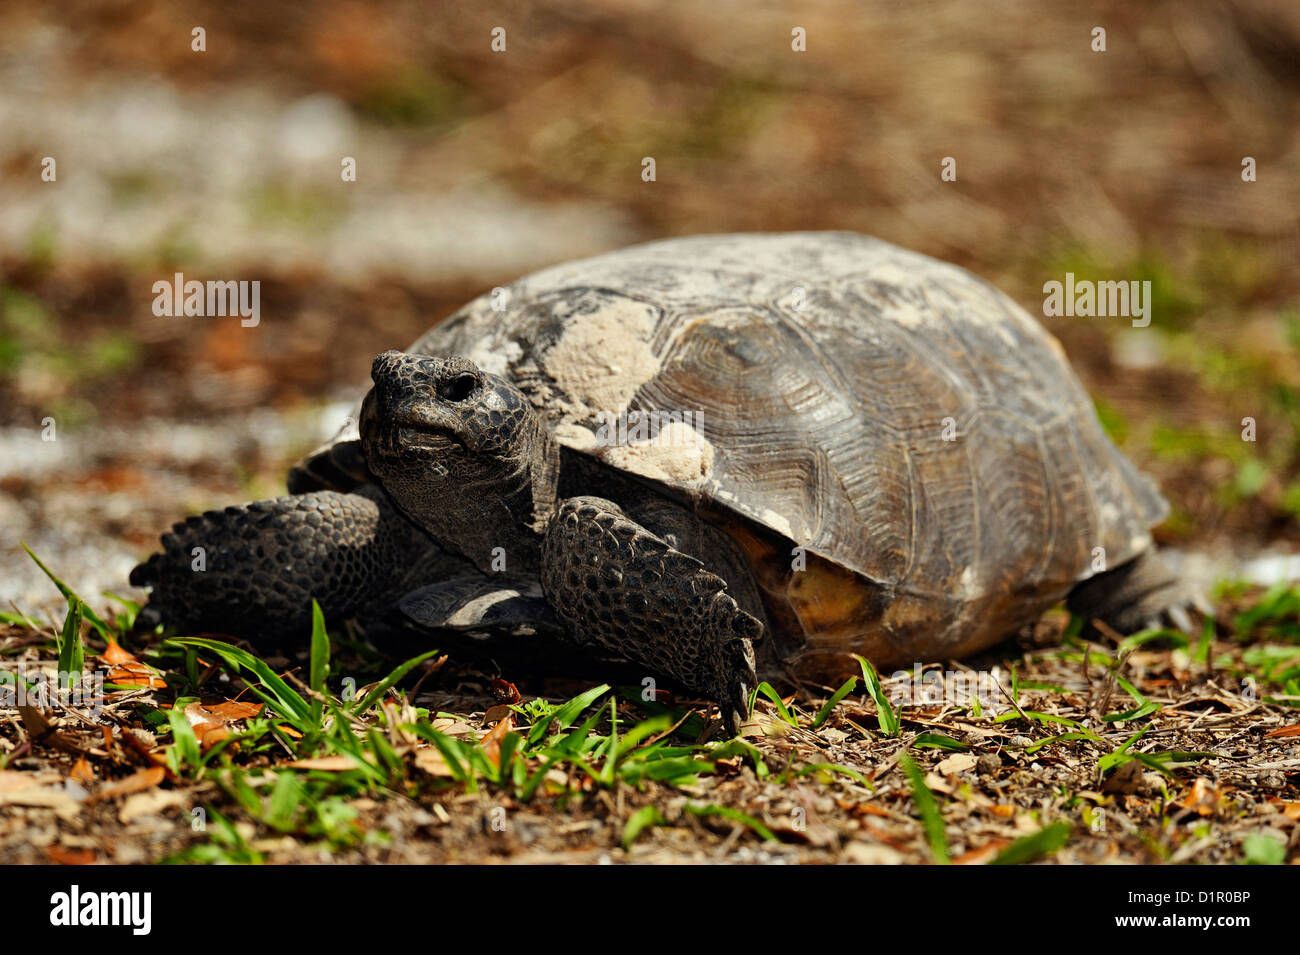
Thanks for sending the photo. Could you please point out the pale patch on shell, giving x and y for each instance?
(779, 523)
(602, 359)
(905, 313)
(679, 455)
(767, 517)
(575, 436)
(496, 360)
(966, 582)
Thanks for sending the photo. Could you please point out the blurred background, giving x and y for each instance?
(474, 166)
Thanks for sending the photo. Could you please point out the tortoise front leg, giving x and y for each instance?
(253, 570)
(620, 587)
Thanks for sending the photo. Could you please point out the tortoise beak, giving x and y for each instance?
(403, 412)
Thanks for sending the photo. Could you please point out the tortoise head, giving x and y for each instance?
(461, 452)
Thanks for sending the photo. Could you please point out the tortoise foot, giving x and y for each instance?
(622, 588)
(1143, 594)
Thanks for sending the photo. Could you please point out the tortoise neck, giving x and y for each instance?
(500, 518)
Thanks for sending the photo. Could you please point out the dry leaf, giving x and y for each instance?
(236, 709)
(863, 808)
(144, 743)
(956, 763)
(1202, 797)
(1127, 778)
(491, 743)
(1289, 809)
(116, 654)
(61, 856)
(938, 783)
(150, 803)
(430, 760)
(450, 727)
(12, 780)
(42, 797)
(125, 669)
(136, 782)
(136, 674)
(209, 726)
(505, 691)
(860, 853)
(81, 772)
(1292, 730)
(329, 764)
(982, 854)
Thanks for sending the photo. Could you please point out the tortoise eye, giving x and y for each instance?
(458, 388)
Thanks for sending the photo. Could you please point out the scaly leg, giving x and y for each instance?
(620, 587)
(253, 570)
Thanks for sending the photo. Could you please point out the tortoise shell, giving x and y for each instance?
(905, 454)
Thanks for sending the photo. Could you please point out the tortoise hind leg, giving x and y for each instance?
(622, 588)
(253, 570)
(1146, 592)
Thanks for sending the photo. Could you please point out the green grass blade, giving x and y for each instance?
(19, 619)
(505, 764)
(638, 733)
(286, 796)
(564, 716)
(280, 696)
(766, 689)
(1028, 848)
(853, 774)
(1120, 755)
(453, 754)
(1146, 709)
(389, 682)
(641, 820)
(938, 741)
(536, 779)
(184, 753)
(1063, 738)
(92, 618)
(125, 620)
(735, 815)
(72, 655)
(320, 662)
(928, 807)
(885, 715)
(824, 713)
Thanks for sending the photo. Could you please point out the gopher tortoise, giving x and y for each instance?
(664, 453)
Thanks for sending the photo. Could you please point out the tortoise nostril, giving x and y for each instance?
(458, 388)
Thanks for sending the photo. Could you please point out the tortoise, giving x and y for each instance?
(815, 444)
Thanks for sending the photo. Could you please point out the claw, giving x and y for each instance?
(1178, 614)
